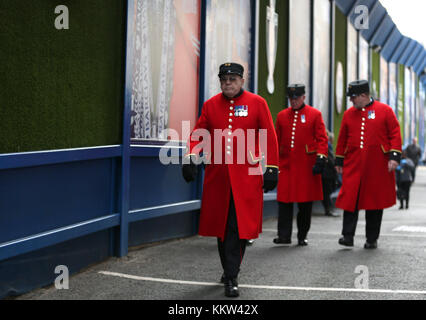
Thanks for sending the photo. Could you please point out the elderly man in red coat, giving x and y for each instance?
(368, 151)
(303, 148)
(234, 132)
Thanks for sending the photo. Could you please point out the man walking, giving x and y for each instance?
(232, 202)
(303, 145)
(414, 153)
(368, 151)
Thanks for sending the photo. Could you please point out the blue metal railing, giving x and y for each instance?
(120, 218)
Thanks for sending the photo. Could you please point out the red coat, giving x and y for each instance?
(301, 137)
(366, 138)
(234, 164)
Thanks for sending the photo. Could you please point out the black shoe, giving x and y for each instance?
(331, 214)
(401, 207)
(372, 245)
(303, 242)
(346, 241)
(282, 240)
(231, 288)
(250, 242)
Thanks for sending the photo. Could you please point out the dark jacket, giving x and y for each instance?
(329, 169)
(405, 171)
(414, 153)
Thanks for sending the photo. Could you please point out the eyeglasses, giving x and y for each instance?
(226, 78)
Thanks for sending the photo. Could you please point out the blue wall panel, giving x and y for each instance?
(38, 199)
(30, 271)
(162, 228)
(155, 184)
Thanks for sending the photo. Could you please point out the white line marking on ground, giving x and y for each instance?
(253, 286)
(360, 234)
(410, 229)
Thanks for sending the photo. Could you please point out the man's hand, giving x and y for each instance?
(392, 165)
(270, 179)
(189, 170)
(318, 167)
(339, 169)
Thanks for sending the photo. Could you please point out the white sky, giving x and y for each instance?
(409, 17)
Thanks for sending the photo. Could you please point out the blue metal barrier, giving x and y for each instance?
(48, 197)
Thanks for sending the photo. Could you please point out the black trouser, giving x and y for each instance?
(327, 190)
(404, 192)
(285, 219)
(231, 250)
(373, 222)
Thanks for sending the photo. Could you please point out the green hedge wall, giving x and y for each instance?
(61, 88)
(375, 68)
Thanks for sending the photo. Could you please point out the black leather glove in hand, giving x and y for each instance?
(189, 170)
(319, 165)
(270, 179)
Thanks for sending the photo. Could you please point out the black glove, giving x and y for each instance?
(319, 165)
(189, 170)
(270, 179)
(339, 162)
(395, 155)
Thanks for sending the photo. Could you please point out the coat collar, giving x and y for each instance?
(236, 97)
(300, 109)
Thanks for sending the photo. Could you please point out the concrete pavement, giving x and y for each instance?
(189, 268)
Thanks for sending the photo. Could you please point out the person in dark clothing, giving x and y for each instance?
(414, 153)
(404, 179)
(329, 178)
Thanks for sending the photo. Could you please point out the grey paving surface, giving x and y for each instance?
(322, 270)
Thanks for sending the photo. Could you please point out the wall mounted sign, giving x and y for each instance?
(271, 43)
(340, 88)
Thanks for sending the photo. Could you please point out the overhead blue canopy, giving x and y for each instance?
(418, 62)
(376, 17)
(399, 50)
(382, 32)
(418, 50)
(392, 44)
(423, 80)
(407, 52)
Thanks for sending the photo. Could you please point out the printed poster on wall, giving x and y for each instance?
(363, 59)
(384, 73)
(352, 58)
(299, 44)
(164, 44)
(228, 39)
(407, 107)
(321, 79)
(393, 86)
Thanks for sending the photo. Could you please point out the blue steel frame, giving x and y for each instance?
(121, 155)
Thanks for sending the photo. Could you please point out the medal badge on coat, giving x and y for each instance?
(302, 118)
(371, 114)
(241, 111)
